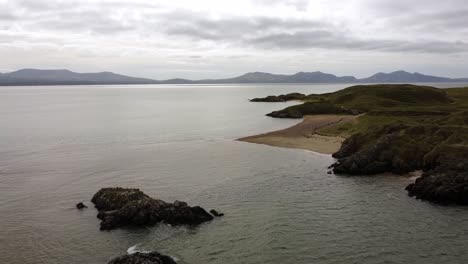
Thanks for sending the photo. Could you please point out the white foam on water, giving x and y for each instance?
(135, 249)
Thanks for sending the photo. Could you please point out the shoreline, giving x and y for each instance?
(305, 134)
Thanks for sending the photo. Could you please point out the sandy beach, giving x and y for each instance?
(305, 134)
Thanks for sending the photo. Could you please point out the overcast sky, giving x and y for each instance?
(215, 38)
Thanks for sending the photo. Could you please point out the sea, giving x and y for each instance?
(60, 144)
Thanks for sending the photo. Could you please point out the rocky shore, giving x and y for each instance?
(280, 98)
(120, 207)
(400, 129)
(311, 108)
(143, 258)
(445, 180)
(402, 149)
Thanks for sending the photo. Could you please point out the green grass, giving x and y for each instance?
(382, 105)
(378, 97)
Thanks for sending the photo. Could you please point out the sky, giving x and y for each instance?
(216, 39)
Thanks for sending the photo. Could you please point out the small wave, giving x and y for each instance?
(135, 249)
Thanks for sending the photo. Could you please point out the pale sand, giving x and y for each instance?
(304, 135)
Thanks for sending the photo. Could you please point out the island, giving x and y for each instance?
(375, 129)
(120, 207)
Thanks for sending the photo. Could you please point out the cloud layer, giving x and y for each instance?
(207, 38)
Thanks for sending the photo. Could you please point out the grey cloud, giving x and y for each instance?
(328, 40)
(69, 16)
(86, 20)
(44, 5)
(264, 32)
(77, 21)
(421, 16)
(398, 7)
(300, 5)
(234, 28)
(440, 21)
(7, 15)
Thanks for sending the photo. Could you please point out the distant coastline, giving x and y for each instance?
(32, 77)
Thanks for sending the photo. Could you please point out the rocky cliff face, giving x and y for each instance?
(445, 179)
(438, 151)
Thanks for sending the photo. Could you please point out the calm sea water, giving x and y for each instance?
(59, 145)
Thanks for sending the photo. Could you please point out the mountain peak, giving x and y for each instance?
(62, 76)
(400, 72)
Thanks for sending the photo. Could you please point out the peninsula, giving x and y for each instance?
(374, 129)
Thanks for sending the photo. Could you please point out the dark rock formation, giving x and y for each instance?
(286, 114)
(446, 177)
(143, 258)
(81, 206)
(216, 213)
(281, 98)
(268, 99)
(121, 207)
(310, 108)
(396, 148)
(441, 152)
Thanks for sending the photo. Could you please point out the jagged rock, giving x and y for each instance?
(397, 148)
(281, 98)
(439, 151)
(121, 207)
(143, 258)
(310, 108)
(280, 114)
(268, 99)
(81, 206)
(216, 213)
(445, 179)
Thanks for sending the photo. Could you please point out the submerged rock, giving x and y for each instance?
(143, 258)
(81, 206)
(216, 213)
(121, 207)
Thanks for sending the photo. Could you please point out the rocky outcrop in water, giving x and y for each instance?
(268, 99)
(445, 179)
(131, 207)
(143, 258)
(80, 206)
(280, 98)
(216, 213)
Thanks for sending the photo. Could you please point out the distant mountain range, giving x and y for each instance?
(66, 77)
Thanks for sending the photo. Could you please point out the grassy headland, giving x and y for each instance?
(400, 129)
